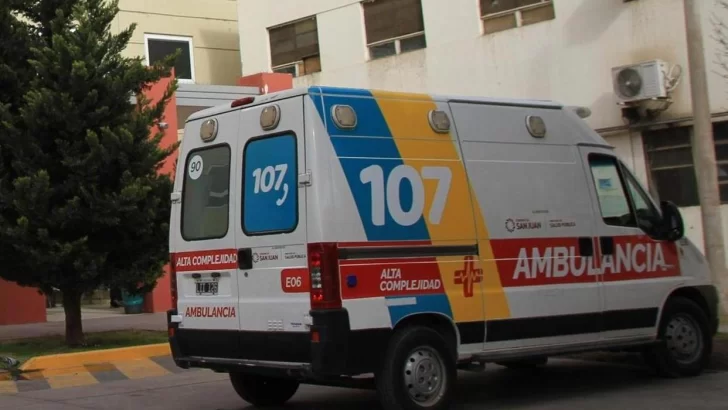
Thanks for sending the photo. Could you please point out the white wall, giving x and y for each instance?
(568, 59)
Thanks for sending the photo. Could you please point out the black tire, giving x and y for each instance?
(685, 342)
(427, 350)
(263, 391)
(526, 363)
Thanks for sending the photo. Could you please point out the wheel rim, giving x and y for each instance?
(424, 376)
(683, 338)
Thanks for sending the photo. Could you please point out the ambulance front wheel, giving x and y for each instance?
(685, 341)
(263, 391)
(418, 372)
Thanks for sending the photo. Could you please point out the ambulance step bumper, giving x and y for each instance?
(280, 369)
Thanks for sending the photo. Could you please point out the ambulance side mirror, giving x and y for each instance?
(673, 227)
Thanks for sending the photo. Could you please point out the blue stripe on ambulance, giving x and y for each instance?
(425, 304)
(371, 130)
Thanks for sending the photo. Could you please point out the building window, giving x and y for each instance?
(670, 161)
(393, 27)
(294, 47)
(499, 15)
(158, 47)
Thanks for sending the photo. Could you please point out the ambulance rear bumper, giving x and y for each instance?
(338, 351)
(272, 369)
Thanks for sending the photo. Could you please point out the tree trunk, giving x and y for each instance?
(74, 325)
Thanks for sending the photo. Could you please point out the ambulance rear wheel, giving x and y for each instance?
(419, 371)
(263, 391)
(685, 342)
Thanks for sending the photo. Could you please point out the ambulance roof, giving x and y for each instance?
(359, 92)
(588, 136)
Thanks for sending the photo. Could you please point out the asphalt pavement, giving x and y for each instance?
(562, 384)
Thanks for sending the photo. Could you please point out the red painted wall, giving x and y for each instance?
(160, 299)
(19, 305)
(268, 82)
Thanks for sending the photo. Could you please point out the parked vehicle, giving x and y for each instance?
(324, 234)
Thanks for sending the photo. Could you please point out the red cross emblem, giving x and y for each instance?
(468, 276)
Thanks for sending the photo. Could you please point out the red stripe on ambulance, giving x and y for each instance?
(222, 259)
(394, 277)
(551, 261)
(639, 257)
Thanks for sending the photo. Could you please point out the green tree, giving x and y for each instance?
(82, 203)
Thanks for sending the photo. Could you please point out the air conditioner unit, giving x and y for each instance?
(642, 81)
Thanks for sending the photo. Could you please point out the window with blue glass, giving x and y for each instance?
(270, 189)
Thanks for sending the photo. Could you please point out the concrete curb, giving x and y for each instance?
(92, 374)
(70, 362)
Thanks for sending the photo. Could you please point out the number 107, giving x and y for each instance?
(374, 175)
(271, 177)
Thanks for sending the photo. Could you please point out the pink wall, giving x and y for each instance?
(19, 305)
(268, 82)
(160, 299)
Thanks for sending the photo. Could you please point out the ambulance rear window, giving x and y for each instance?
(270, 191)
(206, 194)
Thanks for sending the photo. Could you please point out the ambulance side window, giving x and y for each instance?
(613, 200)
(270, 185)
(206, 194)
(647, 215)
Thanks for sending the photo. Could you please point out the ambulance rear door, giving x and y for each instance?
(271, 232)
(203, 237)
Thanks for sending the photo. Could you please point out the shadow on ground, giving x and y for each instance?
(503, 388)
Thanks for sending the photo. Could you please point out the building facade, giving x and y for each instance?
(561, 50)
(206, 32)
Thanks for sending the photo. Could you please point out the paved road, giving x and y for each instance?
(564, 384)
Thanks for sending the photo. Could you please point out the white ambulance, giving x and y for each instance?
(342, 236)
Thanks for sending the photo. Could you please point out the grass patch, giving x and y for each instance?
(24, 349)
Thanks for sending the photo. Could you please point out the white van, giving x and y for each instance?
(328, 235)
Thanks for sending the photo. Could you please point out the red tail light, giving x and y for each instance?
(242, 101)
(173, 282)
(323, 266)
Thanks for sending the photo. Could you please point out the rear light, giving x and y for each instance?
(173, 282)
(323, 266)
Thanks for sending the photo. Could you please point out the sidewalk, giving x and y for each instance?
(90, 367)
(94, 320)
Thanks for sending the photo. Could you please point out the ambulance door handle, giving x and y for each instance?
(606, 244)
(245, 259)
(586, 247)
